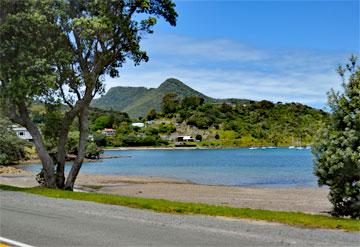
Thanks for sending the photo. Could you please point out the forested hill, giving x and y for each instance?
(137, 101)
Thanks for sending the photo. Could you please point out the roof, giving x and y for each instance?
(106, 129)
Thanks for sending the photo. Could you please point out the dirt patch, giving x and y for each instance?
(11, 170)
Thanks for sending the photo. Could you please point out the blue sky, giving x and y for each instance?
(275, 50)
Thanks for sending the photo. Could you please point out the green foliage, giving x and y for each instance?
(93, 151)
(192, 102)
(100, 119)
(166, 128)
(100, 140)
(12, 148)
(137, 141)
(337, 149)
(264, 104)
(103, 122)
(201, 120)
(152, 131)
(255, 124)
(73, 142)
(166, 206)
(29, 47)
(151, 115)
(52, 124)
(169, 103)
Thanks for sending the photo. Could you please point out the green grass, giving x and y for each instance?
(166, 206)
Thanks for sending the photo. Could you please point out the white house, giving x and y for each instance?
(185, 139)
(22, 132)
(108, 132)
(140, 125)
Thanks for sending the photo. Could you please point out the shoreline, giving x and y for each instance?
(144, 148)
(301, 199)
(187, 148)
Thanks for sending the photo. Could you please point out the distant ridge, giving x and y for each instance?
(137, 101)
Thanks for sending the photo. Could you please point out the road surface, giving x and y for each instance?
(41, 221)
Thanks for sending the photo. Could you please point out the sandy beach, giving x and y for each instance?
(310, 200)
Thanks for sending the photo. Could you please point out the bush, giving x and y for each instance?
(167, 128)
(12, 148)
(200, 120)
(73, 142)
(151, 115)
(337, 148)
(100, 140)
(93, 151)
(198, 137)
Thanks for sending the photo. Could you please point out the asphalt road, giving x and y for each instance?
(41, 221)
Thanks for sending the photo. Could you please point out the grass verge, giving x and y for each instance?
(165, 206)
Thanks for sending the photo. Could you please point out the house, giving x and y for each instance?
(185, 139)
(140, 125)
(22, 132)
(108, 132)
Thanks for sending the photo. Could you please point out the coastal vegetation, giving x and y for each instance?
(165, 206)
(12, 148)
(214, 124)
(337, 147)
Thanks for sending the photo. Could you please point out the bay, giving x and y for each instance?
(278, 167)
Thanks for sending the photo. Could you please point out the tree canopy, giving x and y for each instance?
(58, 51)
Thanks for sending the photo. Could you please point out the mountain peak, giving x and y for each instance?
(137, 101)
(172, 82)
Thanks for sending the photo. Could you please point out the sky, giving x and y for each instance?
(283, 50)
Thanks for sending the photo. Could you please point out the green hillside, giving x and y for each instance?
(137, 101)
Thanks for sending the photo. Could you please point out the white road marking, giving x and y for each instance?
(13, 242)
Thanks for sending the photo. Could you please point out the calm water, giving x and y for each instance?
(279, 167)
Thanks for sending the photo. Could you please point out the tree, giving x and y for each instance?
(169, 103)
(151, 115)
(104, 121)
(192, 102)
(337, 148)
(93, 151)
(57, 49)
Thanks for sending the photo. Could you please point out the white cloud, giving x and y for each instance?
(226, 68)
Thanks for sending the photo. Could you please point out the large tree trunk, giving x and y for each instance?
(84, 129)
(61, 152)
(24, 120)
(46, 160)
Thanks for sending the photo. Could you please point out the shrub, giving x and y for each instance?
(167, 128)
(337, 148)
(12, 148)
(151, 115)
(100, 140)
(93, 151)
(198, 137)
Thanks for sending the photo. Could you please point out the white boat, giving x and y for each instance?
(291, 147)
(299, 148)
(252, 148)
